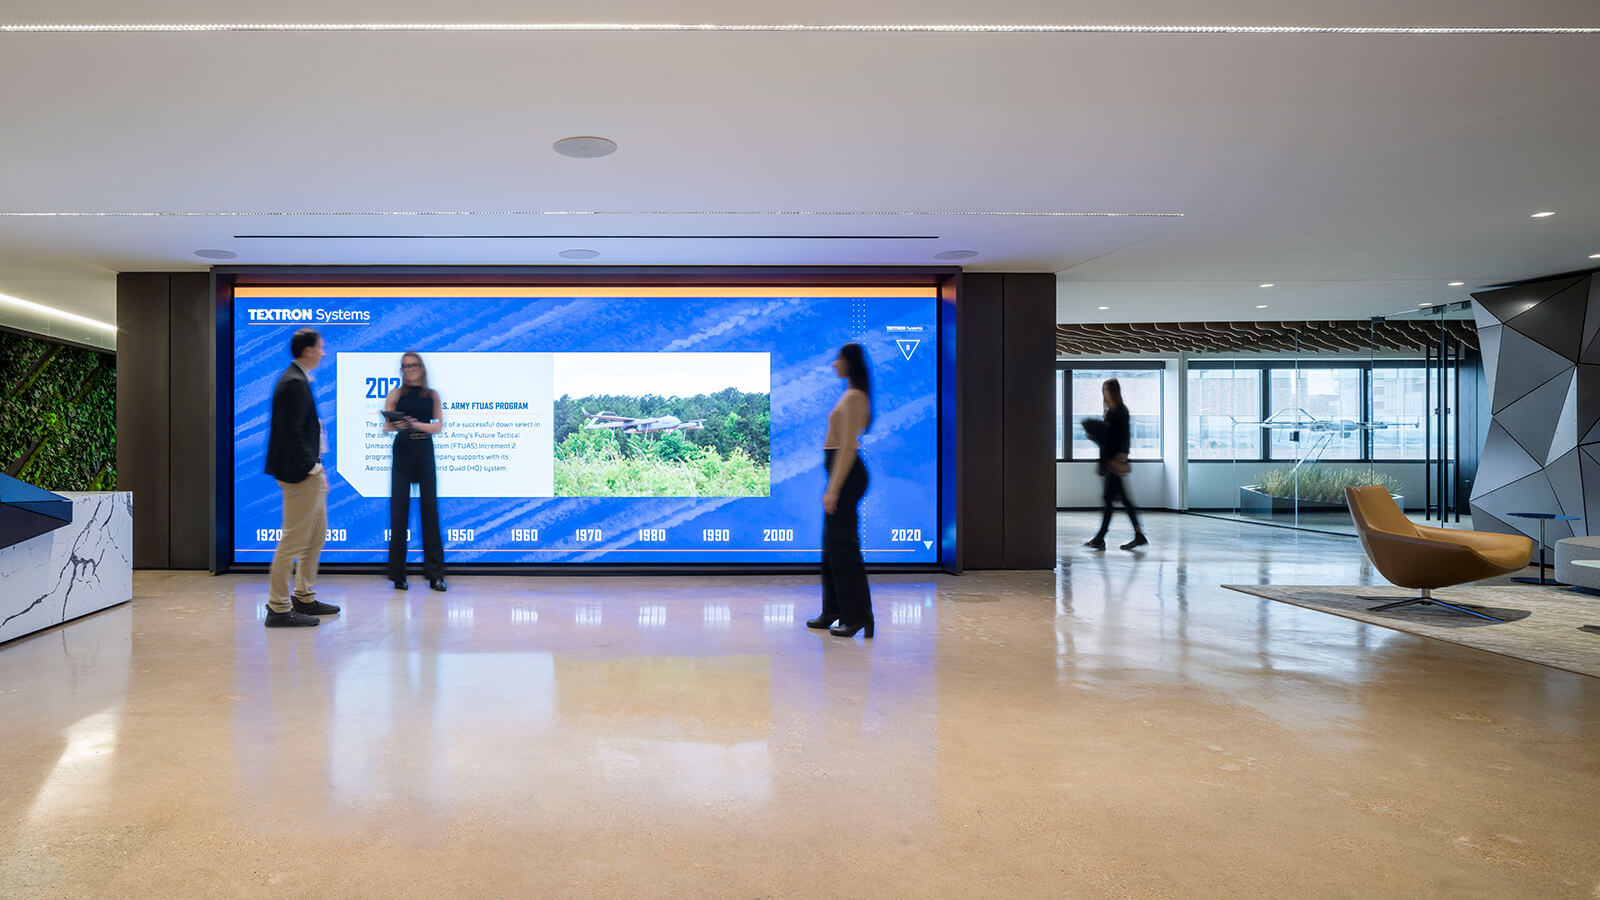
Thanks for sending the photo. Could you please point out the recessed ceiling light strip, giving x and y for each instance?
(1047, 214)
(64, 28)
(587, 237)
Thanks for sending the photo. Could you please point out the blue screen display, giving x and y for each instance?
(609, 425)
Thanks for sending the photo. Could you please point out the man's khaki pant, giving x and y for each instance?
(305, 526)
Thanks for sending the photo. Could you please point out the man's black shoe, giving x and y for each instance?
(315, 608)
(290, 619)
(437, 585)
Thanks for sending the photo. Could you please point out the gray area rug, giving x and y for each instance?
(1547, 625)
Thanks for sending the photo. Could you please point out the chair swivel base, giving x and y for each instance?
(1426, 599)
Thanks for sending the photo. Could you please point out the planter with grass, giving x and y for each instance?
(1282, 492)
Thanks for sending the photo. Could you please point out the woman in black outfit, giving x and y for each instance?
(1114, 437)
(413, 464)
(846, 597)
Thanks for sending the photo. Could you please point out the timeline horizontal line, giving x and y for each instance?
(600, 550)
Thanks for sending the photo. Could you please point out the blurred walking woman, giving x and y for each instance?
(1114, 435)
(421, 417)
(846, 598)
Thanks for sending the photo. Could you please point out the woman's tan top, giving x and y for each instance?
(838, 419)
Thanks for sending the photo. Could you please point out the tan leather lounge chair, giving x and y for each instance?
(1416, 556)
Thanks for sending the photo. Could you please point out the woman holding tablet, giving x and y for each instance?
(415, 413)
(846, 597)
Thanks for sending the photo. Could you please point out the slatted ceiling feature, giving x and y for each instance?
(1336, 336)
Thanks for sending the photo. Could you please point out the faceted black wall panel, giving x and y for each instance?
(1539, 341)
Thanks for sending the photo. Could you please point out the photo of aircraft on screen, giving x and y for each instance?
(630, 425)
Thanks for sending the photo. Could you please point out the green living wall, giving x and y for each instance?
(58, 418)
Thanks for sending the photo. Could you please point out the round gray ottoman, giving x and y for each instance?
(1569, 549)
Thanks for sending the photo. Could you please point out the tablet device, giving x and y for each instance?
(394, 415)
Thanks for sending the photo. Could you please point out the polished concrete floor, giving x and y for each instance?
(1121, 727)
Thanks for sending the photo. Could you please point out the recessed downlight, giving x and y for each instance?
(1261, 306)
(1456, 284)
(215, 254)
(955, 254)
(1424, 304)
(1594, 256)
(579, 253)
(1268, 284)
(585, 146)
(1103, 307)
(1542, 215)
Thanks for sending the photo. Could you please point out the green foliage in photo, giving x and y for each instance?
(598, 464)
(732, 418)
(729, 457)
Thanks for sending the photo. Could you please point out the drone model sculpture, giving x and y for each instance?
(631, 425)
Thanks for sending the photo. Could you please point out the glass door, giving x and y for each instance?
(1426, 379)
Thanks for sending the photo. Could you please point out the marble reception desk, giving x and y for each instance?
(71, 571)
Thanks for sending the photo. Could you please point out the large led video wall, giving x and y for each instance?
(601, 425)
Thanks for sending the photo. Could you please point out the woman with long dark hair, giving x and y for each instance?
(422, 417)
(1114, 435)
(846, 597)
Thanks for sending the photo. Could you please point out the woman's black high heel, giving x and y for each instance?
(844, 630)
(822, 621)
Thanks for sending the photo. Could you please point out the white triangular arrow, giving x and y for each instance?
(907, 346)
(928, 544)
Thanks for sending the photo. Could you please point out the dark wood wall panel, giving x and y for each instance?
(980, 330)
(143, 413)
(192, 363)
(1029, 355)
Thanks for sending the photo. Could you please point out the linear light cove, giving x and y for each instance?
(54, 313)
(910, 28)
(953, 213)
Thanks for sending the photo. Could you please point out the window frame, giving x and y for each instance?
(1265, 366)
(1262, 392)
(1064, 370)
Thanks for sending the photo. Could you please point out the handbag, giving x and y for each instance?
(1118, 465)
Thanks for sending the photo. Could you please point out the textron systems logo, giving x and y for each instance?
(282, 315)
(306, 314)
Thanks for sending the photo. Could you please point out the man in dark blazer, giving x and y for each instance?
(295, 445)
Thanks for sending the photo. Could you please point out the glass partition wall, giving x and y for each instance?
(1275, 437)
(1453, 412)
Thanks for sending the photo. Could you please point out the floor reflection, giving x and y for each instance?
(1121, 726)
(671, 696)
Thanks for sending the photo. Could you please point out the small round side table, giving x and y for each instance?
(1543, 518)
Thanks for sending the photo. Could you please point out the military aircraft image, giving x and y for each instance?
(630, 425)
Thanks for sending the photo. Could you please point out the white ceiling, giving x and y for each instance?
(1359, 174)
